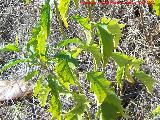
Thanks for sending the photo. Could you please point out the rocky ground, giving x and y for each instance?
(141, 38)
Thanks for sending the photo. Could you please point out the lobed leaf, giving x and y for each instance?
(156, 111)
(45, 29)
(95, 52)
(55, 104)
(128, 75)
(38, 86)
(114, 28)
(64, 73)
(156, 7)
(82, 21)
(99, 85)
(43, 94)
(79, 108)
(119, 75)
(122, 60)
(76, 2)
(145, 79)
(107, 43)
(63, 9)
(111, 107)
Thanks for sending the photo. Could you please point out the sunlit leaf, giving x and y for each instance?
(65, 74)
(95, 52)
(128, 75)
(71, 116)
(43, 94)
(146, 80)
(76, 52)
(156, 111)
(37, 87)
(30, 75)
(33, 41)
(83, 21)
(55, 104)
(11, 64)
(27, 1)
(111, 107)
(114, 28)
(45, 29)
(88, 36)
(80, 106)
(10, 48)
(45, 18)
(67, 58)
(70, 41)
(76, 2)
(122, 60)
(119, 75)
(63, 9)
(156, 7)
(99, 85)
(107, 43)
(136, 63)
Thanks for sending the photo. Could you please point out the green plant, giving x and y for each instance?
(60, 70)
(156, 7)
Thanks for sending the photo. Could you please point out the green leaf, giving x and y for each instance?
(119, 75)
(11, 64)
(45, 29)
(156, 7)
(10, 47)
(99, 85)
(55, 104)
(156, 111)
(80, 105)
(107, 43)
(76, 52)
(27, 1)
(67, 58)
(88, 36)
(70, 116)
(70, 41)
(63, 9)
(128, 75)
(45, 18)
(115, 29)
(38, 86)
(76, 2)
(111, 107)
(64, 73)
(146, 80)
(83, 21)
(43, 94)
(95, 52)
(30, 75)
(136, 63)
(33, 41)
(122, 60)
